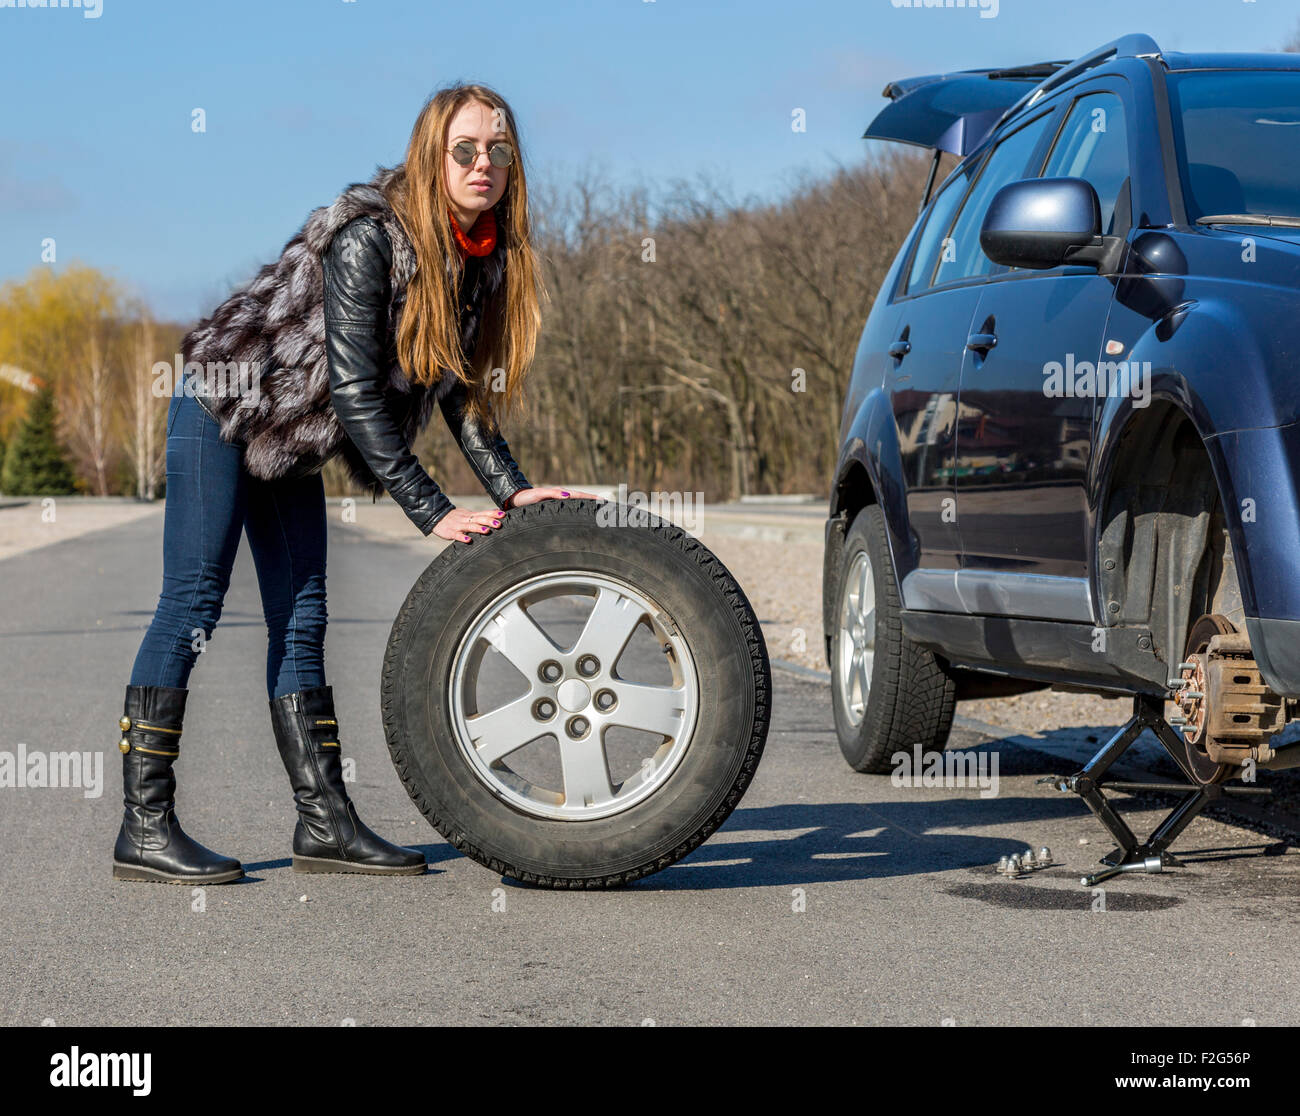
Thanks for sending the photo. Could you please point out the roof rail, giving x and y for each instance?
(1126, 46)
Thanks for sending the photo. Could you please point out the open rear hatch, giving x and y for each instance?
(953, 112)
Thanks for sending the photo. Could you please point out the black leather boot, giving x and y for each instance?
(151, 844)
(329, 837)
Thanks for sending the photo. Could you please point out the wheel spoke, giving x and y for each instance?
(863, 671)
(866, 594)
(609, 627)
(516, 635)
(585, 771)
(657, 709)
(848, 609)
(500, 731)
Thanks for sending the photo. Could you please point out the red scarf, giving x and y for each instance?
(482, 236)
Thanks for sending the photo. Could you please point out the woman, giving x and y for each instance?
(417, 287)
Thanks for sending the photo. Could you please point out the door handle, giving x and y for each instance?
(900, 349)
(981, 342)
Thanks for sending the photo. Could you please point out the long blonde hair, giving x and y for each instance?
(428, 336)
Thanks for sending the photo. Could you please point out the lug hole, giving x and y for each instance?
(605, 700)
(550, 671)
(543, 709)
(588, 665)
(577, 727)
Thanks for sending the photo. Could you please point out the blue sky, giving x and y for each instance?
(304, 96)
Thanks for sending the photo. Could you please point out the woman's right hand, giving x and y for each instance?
(460, 525)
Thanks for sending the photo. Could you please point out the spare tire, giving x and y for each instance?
(579, 698)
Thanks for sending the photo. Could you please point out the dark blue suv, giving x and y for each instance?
(1070, 446)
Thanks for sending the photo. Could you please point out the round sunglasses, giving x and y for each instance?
(499, 154)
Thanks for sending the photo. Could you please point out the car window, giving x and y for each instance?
(1093, 145)
(962, 257)
(936, 226)
(1235, 134)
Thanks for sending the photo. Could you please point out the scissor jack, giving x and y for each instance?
(1151, 855)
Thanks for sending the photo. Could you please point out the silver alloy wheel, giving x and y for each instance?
(857, 638)
(575, 695)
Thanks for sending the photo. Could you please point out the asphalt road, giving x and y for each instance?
(829, 897)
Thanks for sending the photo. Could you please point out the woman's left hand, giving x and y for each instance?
(539, 493)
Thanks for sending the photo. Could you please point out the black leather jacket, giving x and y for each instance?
(357, 291)
(359, 350)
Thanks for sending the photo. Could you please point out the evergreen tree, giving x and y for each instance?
(34, 464)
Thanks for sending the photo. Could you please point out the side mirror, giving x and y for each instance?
(1044, 222)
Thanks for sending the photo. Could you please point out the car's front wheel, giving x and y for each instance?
(889, 694)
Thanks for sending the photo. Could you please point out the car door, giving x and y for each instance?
(1028, 392)
(922, 380)
(938, 308)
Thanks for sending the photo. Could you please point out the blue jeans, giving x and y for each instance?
(211, 499)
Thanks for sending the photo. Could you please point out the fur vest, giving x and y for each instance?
(277, 319)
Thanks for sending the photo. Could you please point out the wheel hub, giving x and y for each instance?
(1191, 697)
(573, 694)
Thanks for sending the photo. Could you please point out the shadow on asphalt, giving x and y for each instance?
(815, 843)
(839, 841)
(806, 843)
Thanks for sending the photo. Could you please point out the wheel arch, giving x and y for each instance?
(1165, 552)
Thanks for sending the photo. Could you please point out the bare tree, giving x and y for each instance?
(677, 325)
(145, 417)
(86, 409)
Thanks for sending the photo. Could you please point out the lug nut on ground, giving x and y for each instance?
(1019, 863)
